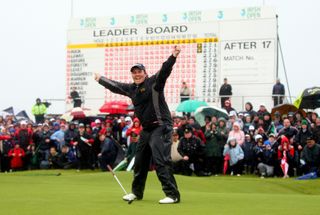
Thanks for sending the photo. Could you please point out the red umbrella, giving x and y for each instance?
(226, 163)
(78, 113)
(114, 107)
(284, 165)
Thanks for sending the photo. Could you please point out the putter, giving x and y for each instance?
(115, 177)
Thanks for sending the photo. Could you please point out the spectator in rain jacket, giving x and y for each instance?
(23, 136)
(248, 150)
(45, 142)
(191, 149)
(213, 151)
(300, 140)
(84, 142)
(58, 137)
(16, 155)
(310, 156)
(6, 145)
(39, 110)
(108, 153)
(237, 133)
(265, 158)
(288, 149)
(236, 156)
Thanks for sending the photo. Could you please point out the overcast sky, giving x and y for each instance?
(33, 41)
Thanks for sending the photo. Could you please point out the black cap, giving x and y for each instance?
(188, 129)
(139, 66)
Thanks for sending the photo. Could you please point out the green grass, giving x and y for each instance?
(41, 192)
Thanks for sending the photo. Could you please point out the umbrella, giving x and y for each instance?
(130, 107)
(130, 166)
(190, 105)
(311, 175)
(226, 163)
(285, 109)
(121, 166)
(284, 165)
(204, 111)
(76, 113)
(309, 99)
(114, 107)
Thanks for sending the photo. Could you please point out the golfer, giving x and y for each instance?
(147, 95)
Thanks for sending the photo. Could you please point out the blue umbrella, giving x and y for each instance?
(190, 106)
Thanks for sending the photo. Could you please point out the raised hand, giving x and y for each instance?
(176, 51)
(97, 76)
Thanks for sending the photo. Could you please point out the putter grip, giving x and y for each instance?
(110, 169)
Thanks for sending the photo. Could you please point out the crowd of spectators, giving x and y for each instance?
(248, 142)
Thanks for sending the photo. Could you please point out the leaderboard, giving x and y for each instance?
(213, 46)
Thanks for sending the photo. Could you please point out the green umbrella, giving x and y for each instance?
(121, 166)
(190, 106)
(309, 99)
(202, 112)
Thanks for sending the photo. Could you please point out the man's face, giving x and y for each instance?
(183, 121)
(188, 135)
(138, 76)
(53, 151)
(248, 138)
(317, 122)
(191, 121)
(286, 123)
(310, 143)
(271, 139)
(225, 81)
(64, 150)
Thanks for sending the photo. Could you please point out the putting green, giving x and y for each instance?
(85, 192)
